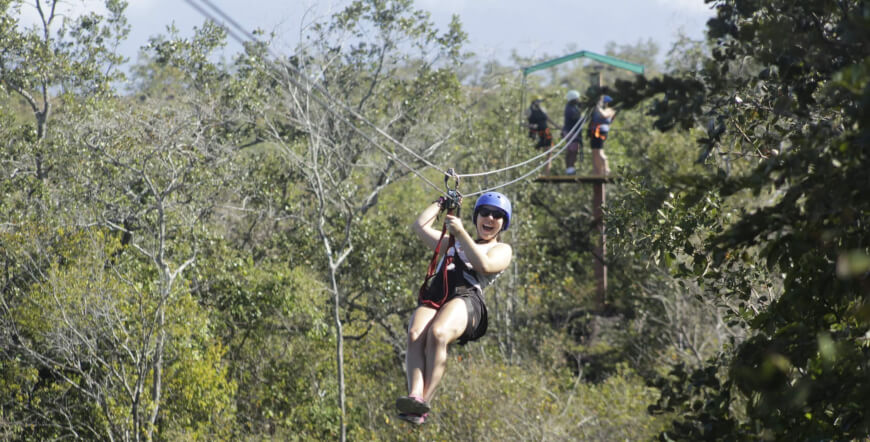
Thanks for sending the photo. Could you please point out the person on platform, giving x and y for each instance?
(572, 117)
(539, 129)
(599, 127)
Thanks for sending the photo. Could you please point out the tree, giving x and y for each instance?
(115, 324)
(783, 98)
(374, 61)
(78, 59)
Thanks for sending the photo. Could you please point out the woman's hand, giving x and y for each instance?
(454, 225)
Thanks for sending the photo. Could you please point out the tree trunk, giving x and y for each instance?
(339, 351)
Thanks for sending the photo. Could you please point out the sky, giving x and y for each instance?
(532, 28)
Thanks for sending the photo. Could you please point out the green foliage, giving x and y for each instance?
(78, 56)
(390, 72)
(200, 402)
(191, 58)
(784, 96)
(76, 329)
(491, 401)
(273, 321)
(386, 273)
(172, 260)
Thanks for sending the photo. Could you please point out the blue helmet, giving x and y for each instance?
(606, 99)
(494, 199)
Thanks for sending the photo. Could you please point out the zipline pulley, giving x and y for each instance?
(453, 199)
(450, 203)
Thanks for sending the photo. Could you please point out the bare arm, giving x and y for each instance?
(494, 260)
(423, 226)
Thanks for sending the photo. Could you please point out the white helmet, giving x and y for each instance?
(572, 95)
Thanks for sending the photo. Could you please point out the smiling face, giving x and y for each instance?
(489, 222)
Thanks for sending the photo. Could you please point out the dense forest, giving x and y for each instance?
(201, 248)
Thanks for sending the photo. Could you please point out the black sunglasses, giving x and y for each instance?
(494, 212)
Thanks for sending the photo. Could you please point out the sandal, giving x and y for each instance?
(412, 405)
(416, 419)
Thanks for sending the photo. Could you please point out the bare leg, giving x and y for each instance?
(599, 162)
(415, 356)
(448, 326)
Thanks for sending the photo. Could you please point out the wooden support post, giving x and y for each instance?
(598, 201)
(595, 78)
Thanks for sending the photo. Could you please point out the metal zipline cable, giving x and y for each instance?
(575, 131)
(320, 89)
(250, 38)
(569, 138)
(253, 39)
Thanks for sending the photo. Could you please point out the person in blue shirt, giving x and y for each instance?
(572, 116)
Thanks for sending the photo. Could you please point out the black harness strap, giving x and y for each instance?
(451, 203)
(430, 272)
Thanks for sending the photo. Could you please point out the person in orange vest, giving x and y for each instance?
(539, 129)
(599, 127)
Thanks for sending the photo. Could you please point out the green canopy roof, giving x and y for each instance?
(613, 61)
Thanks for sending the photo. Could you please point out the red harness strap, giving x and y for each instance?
(430, 272)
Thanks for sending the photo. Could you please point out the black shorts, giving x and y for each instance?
(478, 320)
(596, 143)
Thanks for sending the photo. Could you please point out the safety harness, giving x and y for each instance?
(599, 126)
(451, 204)
(598, 134)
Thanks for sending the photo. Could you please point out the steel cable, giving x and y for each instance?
(250, 38)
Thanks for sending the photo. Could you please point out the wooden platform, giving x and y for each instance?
(576, 179)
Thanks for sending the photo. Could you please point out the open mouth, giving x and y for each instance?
(488, 228)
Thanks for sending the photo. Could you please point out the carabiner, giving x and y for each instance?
(454, 198)
(447, 175)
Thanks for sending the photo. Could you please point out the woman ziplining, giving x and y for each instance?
(450, 305)
(457, 311)
(451, 308)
